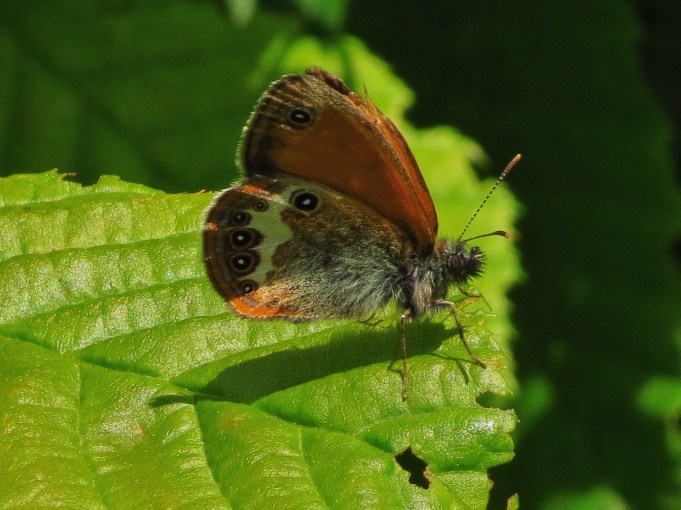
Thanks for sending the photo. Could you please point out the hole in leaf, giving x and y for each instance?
(485, 399)
(491, 400)
(415, 466)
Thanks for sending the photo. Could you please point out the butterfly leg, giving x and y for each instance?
(459, 326)
(405, 317)
(472, 297)
(376, 322)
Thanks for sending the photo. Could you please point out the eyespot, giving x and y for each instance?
(240, 238)
(240, 218)
(247, 286)
(305, 201)
(244, 262)
(260, 205)
(299, 117)
(244, 238)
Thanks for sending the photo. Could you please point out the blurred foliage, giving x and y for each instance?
(598, 316)
(136, 89)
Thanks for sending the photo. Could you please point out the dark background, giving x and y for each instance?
(157, 93)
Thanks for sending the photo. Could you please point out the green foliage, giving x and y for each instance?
(598, 314)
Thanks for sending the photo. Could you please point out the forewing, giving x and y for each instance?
(313, 127)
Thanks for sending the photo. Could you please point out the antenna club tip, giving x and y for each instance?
(501, 233)
(510, 165)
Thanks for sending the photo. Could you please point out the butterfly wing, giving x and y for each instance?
(312, 126)
(242, 231)
(289, 248)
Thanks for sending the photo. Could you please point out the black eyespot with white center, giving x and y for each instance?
(305, 201)
(240, 218)
(299, 117)
(247, 286)
(260, 205)
(244, 262)
(240, 238)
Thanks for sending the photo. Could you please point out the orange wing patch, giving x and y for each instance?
(251, 306)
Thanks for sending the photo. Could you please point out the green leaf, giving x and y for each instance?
(126, 383)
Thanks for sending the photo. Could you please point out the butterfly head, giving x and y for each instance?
(462, 262)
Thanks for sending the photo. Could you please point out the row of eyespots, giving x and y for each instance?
(301, 200)
(242, 218)
(245, 262)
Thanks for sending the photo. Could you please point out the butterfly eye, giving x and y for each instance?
(299, 117)
(247, 286)
(240, 218)
(305, 201)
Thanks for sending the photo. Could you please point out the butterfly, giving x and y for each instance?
(334, 218)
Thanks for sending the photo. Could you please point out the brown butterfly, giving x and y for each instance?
(334, 218)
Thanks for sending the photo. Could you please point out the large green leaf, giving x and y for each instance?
(126, 383)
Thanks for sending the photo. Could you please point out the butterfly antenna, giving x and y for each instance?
(501, 177)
